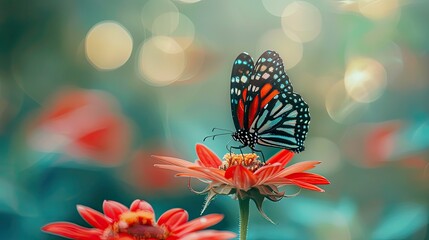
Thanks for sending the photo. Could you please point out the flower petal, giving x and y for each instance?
(140, 205)
(175, 168)
(267, 172)
(173, 218)
(175, 161)
(73, 231)
(306, 185)
(241, 177)
(206, 157)
(197, 224)
(113, 209)
(297, 167)
(283, 157)
(214, 174)
(209, 235)
(196, 171)
(311, 178)
(94, 218)
(124, 236)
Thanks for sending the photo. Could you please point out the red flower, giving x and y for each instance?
(82, 124)
(245, 176)
(138, 222)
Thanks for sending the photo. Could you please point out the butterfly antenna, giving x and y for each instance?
(215, 135)
(221, 129)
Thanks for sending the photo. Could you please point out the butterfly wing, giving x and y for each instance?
(267, 81)
(240, 77)
(284, 122)
(279, 116)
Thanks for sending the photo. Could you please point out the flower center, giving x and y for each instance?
(147, 232)
(139, 225)
(248, 160)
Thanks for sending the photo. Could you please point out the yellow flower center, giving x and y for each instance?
(139, 217)
(139, 225)
(248, 160)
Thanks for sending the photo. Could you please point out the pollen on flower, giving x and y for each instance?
(140, 225)
(248, 160)
(139, 217)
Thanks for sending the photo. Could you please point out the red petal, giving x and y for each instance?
(175, 161)
(267, 172)
(197, 224)
(173, 218)
(283, 157)
(113, 209)
(309, 178)
(139, 205)
(298, 167)
(209, 235)
(308, 186)
(73, 231)
(124, 236)
(241, 177)
(207, 157)
(94, 218)
(213, 174)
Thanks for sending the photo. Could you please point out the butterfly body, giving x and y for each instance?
(264, 108)
(246, 138)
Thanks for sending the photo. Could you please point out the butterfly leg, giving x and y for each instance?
(259, 151)
(239, 148)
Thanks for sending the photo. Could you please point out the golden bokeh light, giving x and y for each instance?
(301, 21)
(379, 9)
(174, 25)
(154, 8)
(290, 50)
(276, 7)
(340, 107)
(108, 45)
(196, 58)
(161, 60)
(365, 79)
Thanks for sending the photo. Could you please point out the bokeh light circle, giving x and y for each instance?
(276, 7)
(174, 25)
(301, 21)
(365, 79)
(379, 9)
(341, 107)
(161, 60)
(154, 8)
(108, 45)
(291, 50)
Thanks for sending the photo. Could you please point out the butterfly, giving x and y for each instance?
(265, 109)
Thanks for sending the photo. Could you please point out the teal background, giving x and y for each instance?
(375, 152)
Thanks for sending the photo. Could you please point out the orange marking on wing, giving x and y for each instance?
(244, 94)
(269, 97)
(253, 110)
(265, 89)
(240, 113)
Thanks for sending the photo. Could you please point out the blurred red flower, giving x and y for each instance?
(141, 173)
(82, 124)
(138, 222)
(244, 176)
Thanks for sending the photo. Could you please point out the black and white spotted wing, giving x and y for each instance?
(240, 76)
(268, 110)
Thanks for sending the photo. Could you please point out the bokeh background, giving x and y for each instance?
(89, 90)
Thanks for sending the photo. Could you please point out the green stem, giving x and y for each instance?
(244, 217)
